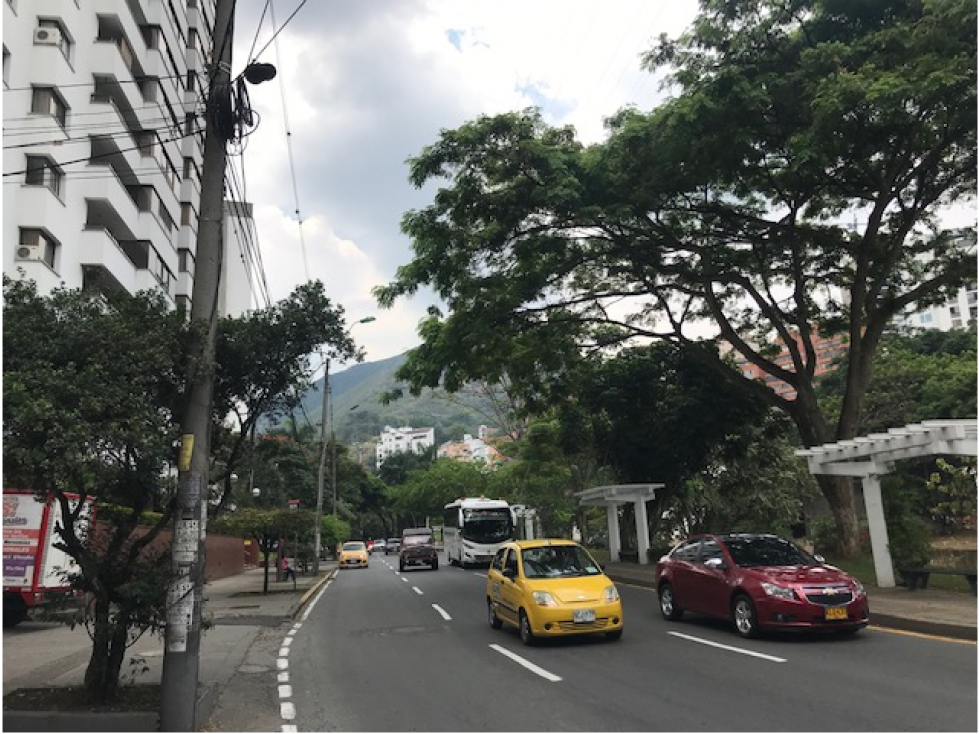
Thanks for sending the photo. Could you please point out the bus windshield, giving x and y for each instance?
(486, 526)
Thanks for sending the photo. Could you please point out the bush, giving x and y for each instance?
(910, 540)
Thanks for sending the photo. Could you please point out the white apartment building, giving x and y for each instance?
(402, 440)
(102, 133)
(956, 313)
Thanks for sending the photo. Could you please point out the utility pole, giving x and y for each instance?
(181, 661)
(318, 528)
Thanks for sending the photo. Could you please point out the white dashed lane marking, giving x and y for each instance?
(739, 650)
(545, 674)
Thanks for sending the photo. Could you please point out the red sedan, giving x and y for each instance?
(759, 582)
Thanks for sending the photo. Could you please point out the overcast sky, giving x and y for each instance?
(364, 85)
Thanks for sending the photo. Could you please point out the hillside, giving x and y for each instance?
(360, 416)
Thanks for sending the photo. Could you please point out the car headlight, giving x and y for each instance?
(544, 599)
(779, 592)
(611, 593)
(858, 589)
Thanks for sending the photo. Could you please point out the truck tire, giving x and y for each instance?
(14, 610)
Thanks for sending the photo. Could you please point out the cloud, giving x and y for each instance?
(364, 86)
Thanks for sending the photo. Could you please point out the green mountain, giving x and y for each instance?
(360, 416)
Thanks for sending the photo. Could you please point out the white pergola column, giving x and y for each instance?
(614, 539)
(642, 531)
(879, 541)
(610, 497)
(870, 456)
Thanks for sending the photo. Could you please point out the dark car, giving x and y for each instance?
(392, 546)
(759, 582)
(418, 549)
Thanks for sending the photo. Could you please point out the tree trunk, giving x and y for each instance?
(839, 493)
(108, 653)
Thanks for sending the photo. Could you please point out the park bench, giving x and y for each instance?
(917, 578)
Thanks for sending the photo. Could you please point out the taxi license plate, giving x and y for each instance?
(583, 616)
(836, 613)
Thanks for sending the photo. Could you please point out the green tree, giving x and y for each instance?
(428, 488)
(731, 205)
(921, 376)
(754, 483)
(91, 395)
(264, 365)
(268, 528)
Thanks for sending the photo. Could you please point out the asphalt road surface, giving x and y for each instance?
(386, 651)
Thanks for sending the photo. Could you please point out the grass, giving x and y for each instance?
(862, 568)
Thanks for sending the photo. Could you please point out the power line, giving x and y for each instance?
(89, 158)
(276, 34)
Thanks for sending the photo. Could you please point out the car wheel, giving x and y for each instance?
(526, 633)
(494, 621)
(667, 604)
(435, 564)
(614, 635)
(401, 565)
(745, 617)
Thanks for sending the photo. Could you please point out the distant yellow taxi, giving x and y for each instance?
(550, 587)
(353, 554)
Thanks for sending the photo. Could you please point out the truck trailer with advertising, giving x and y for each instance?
(33, 569)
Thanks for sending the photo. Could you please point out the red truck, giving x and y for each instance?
(33, 569)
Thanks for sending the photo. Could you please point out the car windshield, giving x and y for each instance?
(766, 551)
(558, 561)
(354, 546)
(487, 525)
(417, 540)
(393, 541)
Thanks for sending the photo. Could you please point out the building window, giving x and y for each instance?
(191, 172)
(186, 214)
(37, 245)
(42, 171)
(924, 318)
(47, 101)
(153, 36)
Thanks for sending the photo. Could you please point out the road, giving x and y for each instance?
(387, 651)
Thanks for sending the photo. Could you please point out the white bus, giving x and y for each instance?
(473, 529)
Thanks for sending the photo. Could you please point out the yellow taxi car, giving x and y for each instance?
(353, 554)
(550, 587)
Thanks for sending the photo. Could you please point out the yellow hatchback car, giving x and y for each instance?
(551, 587)
(353, 554)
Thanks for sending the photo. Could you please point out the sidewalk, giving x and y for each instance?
(238, 612)
(47, 654)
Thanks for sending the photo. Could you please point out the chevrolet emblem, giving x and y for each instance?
(830, 592)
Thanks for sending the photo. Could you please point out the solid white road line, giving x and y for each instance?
(547, 675)
(752, 653)
(445, 614)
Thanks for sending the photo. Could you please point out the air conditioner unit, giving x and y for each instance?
(47, 36)
(28, 252)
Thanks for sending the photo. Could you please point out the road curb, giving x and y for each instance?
(102, 721)
(311, 591)
(924, 627)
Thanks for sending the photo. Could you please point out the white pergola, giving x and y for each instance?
(613, 495)
(870, 456)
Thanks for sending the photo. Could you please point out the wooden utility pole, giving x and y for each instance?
(181, 661)
(318, 528)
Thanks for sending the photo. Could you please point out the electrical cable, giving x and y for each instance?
(276, 33)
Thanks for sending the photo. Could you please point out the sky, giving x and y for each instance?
(363, 86)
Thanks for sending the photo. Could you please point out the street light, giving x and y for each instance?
(318, 519)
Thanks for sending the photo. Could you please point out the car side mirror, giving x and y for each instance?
(819, 559)
(716, 564)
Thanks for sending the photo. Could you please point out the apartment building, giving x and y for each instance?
(471, 449)
(403, 440)
(103, 133)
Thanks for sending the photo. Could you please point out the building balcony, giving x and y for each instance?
(108, 199)
(107, 61)
(99, 251)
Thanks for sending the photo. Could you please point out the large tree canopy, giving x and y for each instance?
(792, 188)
